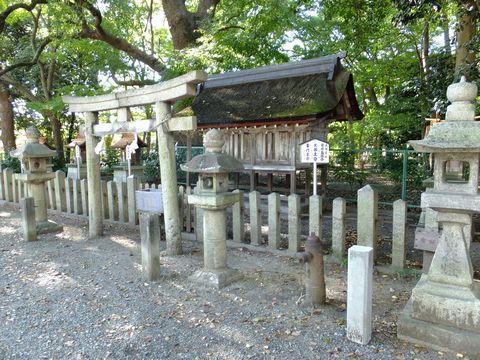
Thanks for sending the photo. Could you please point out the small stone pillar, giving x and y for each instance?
(359, 294)
(367, 215)
(150, 238)
(34, 157)
(213, 197)
(27, 207)
(444, 309)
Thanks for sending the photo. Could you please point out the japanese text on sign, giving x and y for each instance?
(314, 151)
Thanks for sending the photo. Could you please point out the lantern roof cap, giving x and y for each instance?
(32, 148)
(214, 160)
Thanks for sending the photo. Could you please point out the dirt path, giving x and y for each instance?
(66, 297)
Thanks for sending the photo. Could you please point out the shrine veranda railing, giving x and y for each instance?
(274, 222)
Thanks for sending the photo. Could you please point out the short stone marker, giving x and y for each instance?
(399, 245)
(339, 209)
(29, 224)
(367, 215)
(359, 294)
(294, 224)
(274, 221)
(255, 218)
(150, 237)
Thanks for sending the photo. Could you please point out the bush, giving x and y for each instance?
(11, 163)
(151, 166)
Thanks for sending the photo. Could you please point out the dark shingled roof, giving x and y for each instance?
(311, 88)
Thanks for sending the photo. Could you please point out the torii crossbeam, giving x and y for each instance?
(162, 95)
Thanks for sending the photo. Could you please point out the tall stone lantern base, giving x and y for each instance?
(215, 272)
(444, 309)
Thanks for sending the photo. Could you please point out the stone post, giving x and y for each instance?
(188, 210)
(132, 186)
(274, 221)
(367, 215)
(399, 245)
(339, 209)
(95, 210)
(7, 179)
(112, 208)
(77, 203)
(294, 224)
(122, 206)
(198, 212)
(28, 219)
(166, 151)
(315, 215)
(59, 192)
(68, 194)
(84, 191)
(2, 186)
(255, 218)
(150, 238)
(51, 194)
(15, 190)
(359, 294)
(238, 218)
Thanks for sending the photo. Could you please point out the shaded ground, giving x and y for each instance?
(66, 297)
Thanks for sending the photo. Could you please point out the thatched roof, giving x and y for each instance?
(311, 88)
(79, 140)
(127, 139)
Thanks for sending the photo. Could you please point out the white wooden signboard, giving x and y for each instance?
(78, 156)
(316, 152)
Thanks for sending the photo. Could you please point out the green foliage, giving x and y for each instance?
(151, 166)
(108, 160)
(344, 169)
(10, 162)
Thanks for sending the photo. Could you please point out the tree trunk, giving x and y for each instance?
(446, 36)
(372, 95)
(425, 47)
(57, 137)
(465, 34)
(7, 120)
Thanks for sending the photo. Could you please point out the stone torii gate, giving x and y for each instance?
(162, 95)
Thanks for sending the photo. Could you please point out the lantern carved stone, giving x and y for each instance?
(444, 309)
(34, 157)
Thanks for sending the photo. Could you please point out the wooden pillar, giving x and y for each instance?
(168, 174)
(252, 180)
(308, 177)
(95, 210)
(323, 179)
(293, 183)
(270, 182)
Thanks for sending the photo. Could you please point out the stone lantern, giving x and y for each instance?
(213, 197)
(444, 309)
(34, 157)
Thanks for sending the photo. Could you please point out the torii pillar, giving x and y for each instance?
(168, 174)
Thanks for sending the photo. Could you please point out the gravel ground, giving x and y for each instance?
(68, 297)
